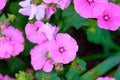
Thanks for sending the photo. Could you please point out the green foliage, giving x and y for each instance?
(78, 66)
(46, 76)
(16, 64)
(71, 19)
(24, 76)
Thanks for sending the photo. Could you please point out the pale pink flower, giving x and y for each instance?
(2, 4)
(105, 78)
(40, 32)
(6, 77)
(63, 49)
(32, 10)
(110, 18)
(90, 8)
(39, 60)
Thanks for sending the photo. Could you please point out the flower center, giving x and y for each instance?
(106, 17)
(61, 49)
(90, 1)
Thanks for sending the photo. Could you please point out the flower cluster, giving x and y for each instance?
(52, 47)
(6, 77)
(41, 8)
(11, 42)
(107, 13)
(105, 78)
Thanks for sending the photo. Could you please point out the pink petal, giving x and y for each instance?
(2, 4)
(14, 34)
(40, 12)
(25, 11)
(33, 11)
(50, 11)
(25, 3)
(38, 58)
(48, 66)
(6, 48)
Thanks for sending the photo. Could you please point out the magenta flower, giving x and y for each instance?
(40, 32)
(39, 59)
(61, 50)
(105, 78)
(110, 18)
(90, 8)
(2, 4)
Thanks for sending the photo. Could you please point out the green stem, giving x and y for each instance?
(117, 74)
(102, 68)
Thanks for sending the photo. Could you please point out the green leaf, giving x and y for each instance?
(78, 66)
(24, 76)
(71, 18)
(11, 17)
(95, 34)
(16, 64)
(46, 76)
(3, 19)
(102, 68)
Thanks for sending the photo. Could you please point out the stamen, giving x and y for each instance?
(106, 17)
(61, 49)
(90, 1)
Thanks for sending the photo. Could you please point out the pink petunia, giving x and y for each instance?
(39, 60)
(110, 18)
(90, 8)
(16, 38)
(105, 78)
(63, 49)
(40, 32)
(2, 4)
(11, 42)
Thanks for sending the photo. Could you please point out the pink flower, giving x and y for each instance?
(16, 38)
(50, 10)
(110, 18)
(90, 8)
(6, 77)
(11, 42)
(63, 4)
(60, 3)
(39, 59)
(105, 78)
(2, 4)
(32, 10)
(63, 49)
(40, 32)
